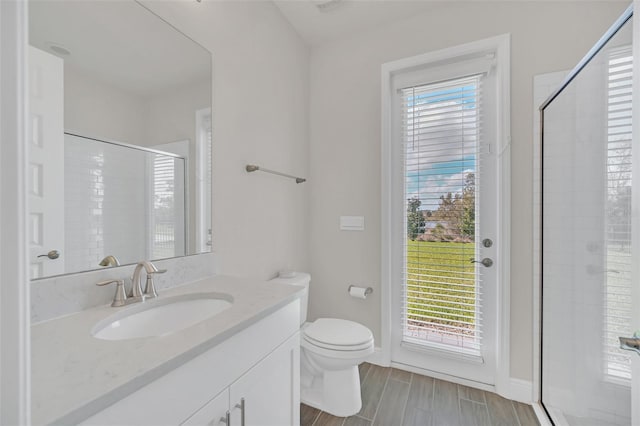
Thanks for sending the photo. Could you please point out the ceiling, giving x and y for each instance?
(339, 18)
(319, 21)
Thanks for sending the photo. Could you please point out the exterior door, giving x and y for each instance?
(46, 164)
(445, 238)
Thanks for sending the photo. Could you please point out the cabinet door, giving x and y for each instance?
(213, 413)
(271, 389)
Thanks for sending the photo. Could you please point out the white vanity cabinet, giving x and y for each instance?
(259, 364)
(265, 393)
(269, 387)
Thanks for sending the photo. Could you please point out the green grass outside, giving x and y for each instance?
(441, 275)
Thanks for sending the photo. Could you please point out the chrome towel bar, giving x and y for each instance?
(253, 168)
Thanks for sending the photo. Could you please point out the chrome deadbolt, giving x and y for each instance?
(486, 262)
(487, 242)
(53, 255)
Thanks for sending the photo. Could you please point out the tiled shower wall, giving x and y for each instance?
(104, 200)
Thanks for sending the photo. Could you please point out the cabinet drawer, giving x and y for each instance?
(212, 413)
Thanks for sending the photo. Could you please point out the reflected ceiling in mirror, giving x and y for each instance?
(112, 86)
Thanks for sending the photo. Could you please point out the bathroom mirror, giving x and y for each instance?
(120, 137)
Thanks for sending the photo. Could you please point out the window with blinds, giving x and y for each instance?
(441, 131)
(207, 130)
(163, 244)
(618, 259)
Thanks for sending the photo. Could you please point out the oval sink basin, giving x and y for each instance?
(161, 316)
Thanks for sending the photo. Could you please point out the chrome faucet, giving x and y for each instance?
(136, 294)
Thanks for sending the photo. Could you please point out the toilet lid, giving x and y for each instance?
(338, 332)
(309, 343)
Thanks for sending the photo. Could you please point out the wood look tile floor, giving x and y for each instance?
(392, 397)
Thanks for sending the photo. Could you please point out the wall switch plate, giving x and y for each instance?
(352, 223)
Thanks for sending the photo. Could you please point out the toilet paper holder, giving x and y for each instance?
(367, 291)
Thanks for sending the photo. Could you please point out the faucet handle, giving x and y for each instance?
(119, 299)
(149, 288)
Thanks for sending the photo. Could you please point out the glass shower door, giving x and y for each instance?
(586, 287)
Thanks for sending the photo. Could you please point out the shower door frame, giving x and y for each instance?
(541, 411)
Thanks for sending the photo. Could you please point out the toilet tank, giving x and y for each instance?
(298, 278)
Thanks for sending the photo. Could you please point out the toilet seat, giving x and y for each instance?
(337, 347)
(334, 354)
(332, 334)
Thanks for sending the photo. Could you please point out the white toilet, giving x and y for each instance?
(331, 350)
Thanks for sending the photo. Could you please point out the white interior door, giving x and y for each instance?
(46, 164)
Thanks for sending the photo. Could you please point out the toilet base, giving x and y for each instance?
(335, 392)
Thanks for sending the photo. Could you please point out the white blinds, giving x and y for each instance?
(617, 313)
(163, 206)
(441, 128)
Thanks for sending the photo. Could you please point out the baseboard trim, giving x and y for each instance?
(377, 358)
(520, 390)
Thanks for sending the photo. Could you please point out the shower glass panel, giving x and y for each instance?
(586, 241)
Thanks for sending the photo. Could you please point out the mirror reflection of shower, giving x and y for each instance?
(121, 200)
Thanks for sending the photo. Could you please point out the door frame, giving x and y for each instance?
(635, 208)
(503, 145)
(14, 292)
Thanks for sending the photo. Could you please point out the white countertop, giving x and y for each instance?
(75, 375)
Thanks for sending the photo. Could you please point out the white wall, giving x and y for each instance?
(99, 110)
(260, 115)
(171, 114)
(345, 139)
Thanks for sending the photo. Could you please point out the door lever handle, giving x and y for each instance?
(630, 343)
(486, 262)
(53, 254)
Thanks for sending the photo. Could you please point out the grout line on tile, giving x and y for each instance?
(459, 401)
(384, 388)
(433, 392)
(316, 418)
(404, 409)
(365, 376)
(471, 400)
(513, 408)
